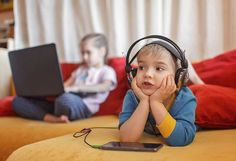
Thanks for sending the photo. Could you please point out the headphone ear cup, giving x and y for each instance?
(134, 72)
(131, 75)
(181, 77)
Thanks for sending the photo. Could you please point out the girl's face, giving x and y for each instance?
(152, 68)
(92, 56)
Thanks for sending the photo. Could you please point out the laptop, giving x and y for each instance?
(36, 71)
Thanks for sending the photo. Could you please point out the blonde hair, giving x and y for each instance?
(158, 49)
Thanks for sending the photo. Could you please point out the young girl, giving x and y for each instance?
(87, 88)
(148, 106)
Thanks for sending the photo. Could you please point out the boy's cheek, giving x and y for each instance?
(138, 80)
(138, 83)
(158, 83)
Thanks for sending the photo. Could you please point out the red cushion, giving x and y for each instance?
(215, 106)
(219, 70)
(67, 69)
(6, 106)
(113, 103)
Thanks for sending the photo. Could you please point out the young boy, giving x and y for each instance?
(149, 106)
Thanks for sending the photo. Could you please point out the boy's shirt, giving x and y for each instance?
(182, 110)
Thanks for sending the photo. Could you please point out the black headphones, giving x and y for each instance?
(181, 75)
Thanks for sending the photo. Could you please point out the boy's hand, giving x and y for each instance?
(168, 86)
(137, 91)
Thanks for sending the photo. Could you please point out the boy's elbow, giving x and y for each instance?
(127, 136)
(181, 141)
(182, 135)
(128, 139)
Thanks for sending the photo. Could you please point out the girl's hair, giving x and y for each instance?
(99, 40)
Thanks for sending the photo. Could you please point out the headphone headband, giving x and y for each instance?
(165, 43)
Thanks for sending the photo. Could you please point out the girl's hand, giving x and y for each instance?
(71, 89)
(137, 91)
(168, 87)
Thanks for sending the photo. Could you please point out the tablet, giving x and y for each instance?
(132, 146)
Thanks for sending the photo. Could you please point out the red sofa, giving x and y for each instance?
(111, 106)
(215, 107)
(218, 74)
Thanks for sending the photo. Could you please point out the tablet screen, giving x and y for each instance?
(132, 146)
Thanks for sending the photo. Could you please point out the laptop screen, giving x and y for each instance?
(36, 71)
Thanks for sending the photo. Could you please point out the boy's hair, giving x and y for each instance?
(99, 40)
(156, 48)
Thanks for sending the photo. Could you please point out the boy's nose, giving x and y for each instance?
(149, 73)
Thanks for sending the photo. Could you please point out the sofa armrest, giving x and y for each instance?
(5, 73)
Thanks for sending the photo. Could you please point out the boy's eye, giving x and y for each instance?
(140, 67)
(159, 68)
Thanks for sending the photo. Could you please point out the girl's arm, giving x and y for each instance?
(69, 81)
(107, 82)
(101, 87)
(193, 76)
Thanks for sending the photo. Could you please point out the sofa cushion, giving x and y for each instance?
(215, 106)
(113, 103)
(6, 106)
(216, 102)
(17, 132)
(214, 145)
(67, 69)
(219, 70)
